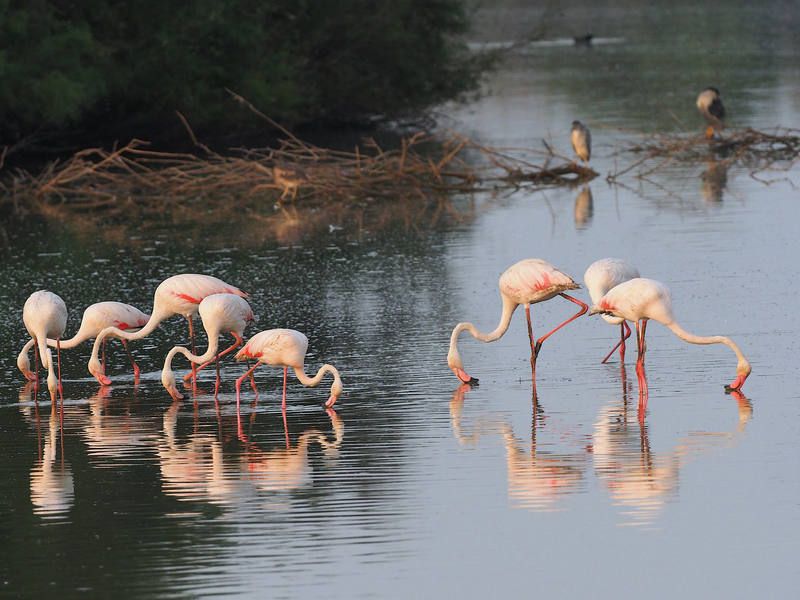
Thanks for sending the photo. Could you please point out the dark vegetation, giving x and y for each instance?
(79, 73)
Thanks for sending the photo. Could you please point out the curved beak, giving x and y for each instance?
(331, 401)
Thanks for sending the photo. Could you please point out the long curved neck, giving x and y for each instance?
(210, 353)
(712, 339)
(154, 321)
(314, 381)
(80, 336)
(509, 306)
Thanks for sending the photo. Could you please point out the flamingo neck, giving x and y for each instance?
(80, 336)
(743, 365)
(314, 381)
(156, 317)
(509, 306)
(209, 354)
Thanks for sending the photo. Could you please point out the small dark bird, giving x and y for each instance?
(583, 40)
(709, 103)
(581, 141)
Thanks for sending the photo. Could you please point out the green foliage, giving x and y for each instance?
(96, 63)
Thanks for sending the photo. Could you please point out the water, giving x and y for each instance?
(417, 486)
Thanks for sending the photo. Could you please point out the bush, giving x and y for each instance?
(96, 64)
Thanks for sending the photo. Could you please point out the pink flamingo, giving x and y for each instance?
(219, 313)
(177, 295)
(285, 348)
(45, 316)
(641, 299)
(95, 318)
(601, 276)
(527, 282)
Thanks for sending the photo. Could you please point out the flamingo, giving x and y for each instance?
(45, 316)
(285, 348)
(95, 318)
(176, 295)
(709, 103)
(219, 313)
(640, 300)
(527, 282)
(601, 276)
(581, 139)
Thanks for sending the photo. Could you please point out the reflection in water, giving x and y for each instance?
(537, 480)
(584, 207)
(52, 488)
(196, 469)
(637, 480)
(714, 179)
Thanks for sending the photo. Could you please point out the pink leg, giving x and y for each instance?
(534, 351)
(228, 350)
(285, 373)
(643, 392)
(36, 362)
(624, 334)
(583, 309)
(60, 386)
(239, 382)
(136, 370)
(216, 383)
(191, 337)
(285, 426)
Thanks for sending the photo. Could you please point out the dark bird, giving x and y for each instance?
(709, 103)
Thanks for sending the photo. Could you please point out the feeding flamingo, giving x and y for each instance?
(45, 316)
(641, 299)
(285, 348)
(601, 276)
(527, 282)
(219, 313)
(95, 318)
(176, 295)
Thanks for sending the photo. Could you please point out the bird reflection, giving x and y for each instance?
(713, 181)
(114, 436)
(204, 468)
(537, 480)
(638, 480)
(52, 488)
(584, 207)
(287, 468)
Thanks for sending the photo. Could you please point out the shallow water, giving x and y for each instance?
(415, 485)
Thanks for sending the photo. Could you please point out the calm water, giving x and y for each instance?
(415, 486)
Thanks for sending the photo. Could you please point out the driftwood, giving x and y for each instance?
(756, 150)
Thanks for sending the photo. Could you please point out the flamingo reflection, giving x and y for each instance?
(638, 480)
(537, 480)
(52, 487)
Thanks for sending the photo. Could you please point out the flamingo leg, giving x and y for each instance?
(60, 386)
(216, 383)
(583, 309)
(283, 404)
(191, 337)
(249, 372)
(534, 351)
(641, 327)
(36, 362)
(103, 355)
(228, 350)
(624, 334)
(285, 426)
(136, 370)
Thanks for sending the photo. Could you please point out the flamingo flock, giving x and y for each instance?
(222, 309)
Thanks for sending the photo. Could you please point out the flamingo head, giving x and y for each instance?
(457, 367)
(96, 369)
(596, 309)
(336, 391)
(24, 365)
(168, 381)
(743, 370)
(52, 380)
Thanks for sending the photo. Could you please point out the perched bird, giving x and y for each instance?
(176, 295)
(45, 316)
(219, 313)
(709, 103)
(641, 299)
(527, 282)
(581, 141)
(600, 277)
(285, 348)
(95, 318)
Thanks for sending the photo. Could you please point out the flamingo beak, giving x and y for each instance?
(29, 375)
(464, 376)
(101, 378)
(331, 401)
(737, 384)
(173, 391)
